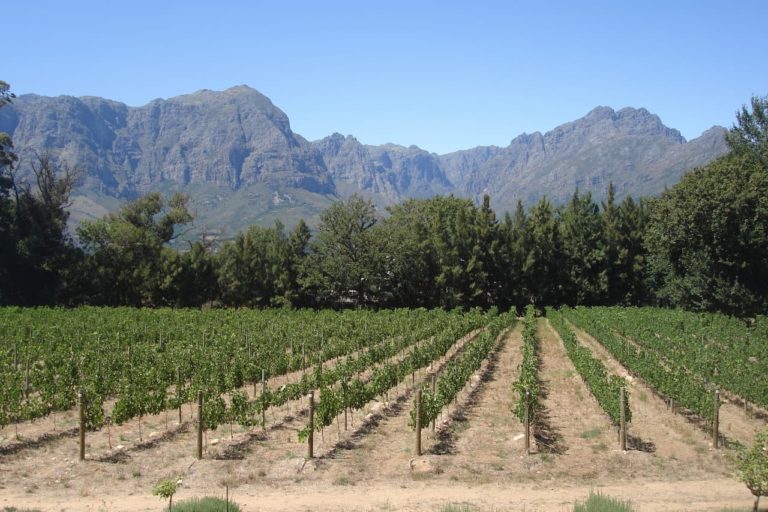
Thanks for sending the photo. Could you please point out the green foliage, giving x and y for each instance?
(596, 502)
(165, 488)
(545, 266)
(37, 258)
(7, 156)
(585, 249)
(344, 262)
(682, 355)
(443, 252)
(750, 133)
(259, 268)
(529, 368)
(456, 374)
(707, 239)
(206, 504)
(606, 388)
(752, 465)
(126, 250)
(711, 348)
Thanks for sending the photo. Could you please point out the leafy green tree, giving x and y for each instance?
(629, 264)
(124, 250)
(488, 252)
(750, 133)
(584, 251)
(166, 489)
(298, 248)
(752, 467)
(708, 235)
(189, 277)
(708, 238)
(544, 265)
(7, 160)
(344, 264)
(410, 264)
(443, 252)
(257, 268)
(516, 237)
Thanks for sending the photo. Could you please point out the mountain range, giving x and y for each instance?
(235, 154)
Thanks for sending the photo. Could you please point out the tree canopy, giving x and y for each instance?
(702, 245)
(708, 235)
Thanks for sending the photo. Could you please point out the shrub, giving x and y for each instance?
(600, 503)
(206, 504)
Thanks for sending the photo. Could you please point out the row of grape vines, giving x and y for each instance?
(528, 381)
(717, 349)
(456, 374)
(153, 360)
(666, 377)
(605, 387)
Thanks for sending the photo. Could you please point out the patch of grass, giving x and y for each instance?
(599, 448)
(14, 509)
(420, 477)
(136, 473)
(207, 504)
(459, 426)
(591, 433)
(343, 480)
(457, 507)
(599, 503)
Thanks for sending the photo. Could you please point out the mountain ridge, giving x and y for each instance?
(237, 145)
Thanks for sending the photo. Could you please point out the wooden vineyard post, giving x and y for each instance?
(418, 423)
(623, 420)
(527, 421)
(716, 420)
(263, 391)
(199, 424)
(434, 393)
(81, 400)
(311, 437)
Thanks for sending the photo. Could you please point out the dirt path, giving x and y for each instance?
(572, 427)
(384, 447)
(648, 496)
(483, 437)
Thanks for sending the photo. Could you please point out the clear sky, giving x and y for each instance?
(442, 75)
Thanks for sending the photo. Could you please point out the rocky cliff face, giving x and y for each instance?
(387, 173)
(233, 139)
(629, 147)
(235, 154)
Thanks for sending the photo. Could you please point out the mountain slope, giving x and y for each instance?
(629, 147)
(235, 154)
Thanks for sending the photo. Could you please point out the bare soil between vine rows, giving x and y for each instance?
(475, 459)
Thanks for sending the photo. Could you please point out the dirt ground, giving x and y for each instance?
(476, 459)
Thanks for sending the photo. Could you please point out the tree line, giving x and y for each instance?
(702, 245)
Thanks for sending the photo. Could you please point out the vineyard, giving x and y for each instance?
(253, 399)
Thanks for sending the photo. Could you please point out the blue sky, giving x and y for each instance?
(442, 75)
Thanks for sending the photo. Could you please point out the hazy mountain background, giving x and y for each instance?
(235, 154)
